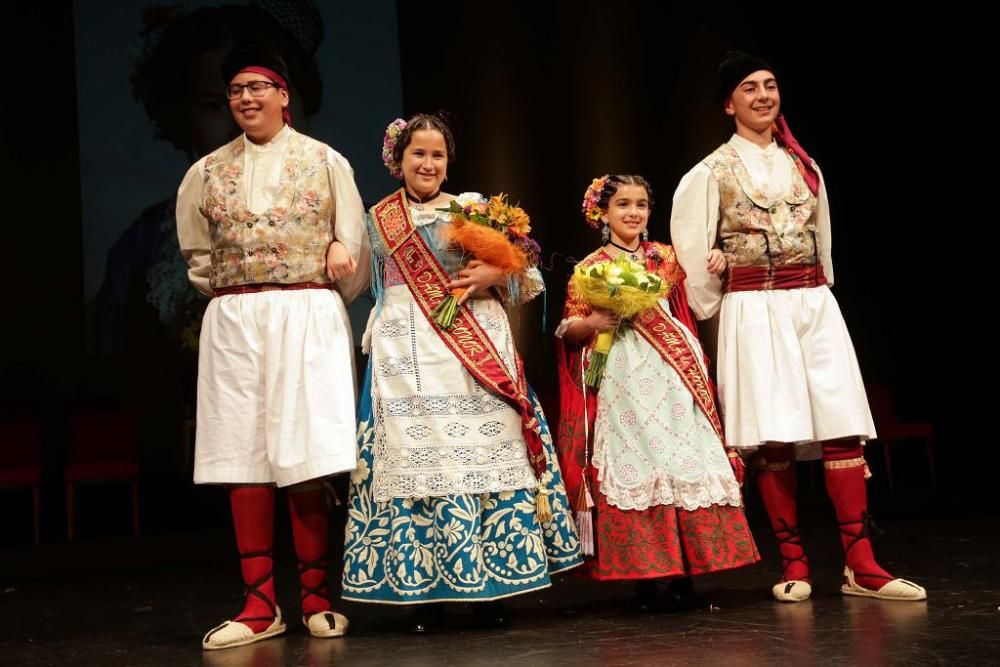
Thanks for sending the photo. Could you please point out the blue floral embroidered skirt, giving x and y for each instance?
(452, 548)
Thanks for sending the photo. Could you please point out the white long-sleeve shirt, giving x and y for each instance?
(694, 218)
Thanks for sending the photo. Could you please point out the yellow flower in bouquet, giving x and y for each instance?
(495, 232)
(623, 287)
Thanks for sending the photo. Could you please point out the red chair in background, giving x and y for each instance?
(101, 449)
(21, 460)
(891, 429)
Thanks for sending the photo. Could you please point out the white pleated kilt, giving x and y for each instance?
(788, 372)
(276, 389)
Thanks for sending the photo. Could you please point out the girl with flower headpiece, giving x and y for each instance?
(654, 492)
(458, 494)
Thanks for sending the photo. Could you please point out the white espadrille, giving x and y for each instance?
(897, 589)
(326, 624)
(792, 591)
(234, 633)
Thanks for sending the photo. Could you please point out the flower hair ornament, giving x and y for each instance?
(591, 202)
(392, 133)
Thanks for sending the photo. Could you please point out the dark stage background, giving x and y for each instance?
(546, 96)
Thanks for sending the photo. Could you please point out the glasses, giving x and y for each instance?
(234, 91)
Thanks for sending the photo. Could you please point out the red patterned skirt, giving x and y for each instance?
(665, 541)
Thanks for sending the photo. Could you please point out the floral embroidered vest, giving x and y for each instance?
(285, 244)
(755, 230)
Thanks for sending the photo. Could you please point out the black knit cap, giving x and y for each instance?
(736, 66)
(251, 56)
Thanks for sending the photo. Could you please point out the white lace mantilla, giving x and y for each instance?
(437, 431)
(652, 444)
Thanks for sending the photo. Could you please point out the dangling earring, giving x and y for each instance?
(645, 235)
(605, 233)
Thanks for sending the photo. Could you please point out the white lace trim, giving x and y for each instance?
(421, 483)
(665, 489)
(446, 452)
(564, 325)
(425, 215)
(437, 431)
(652, 444)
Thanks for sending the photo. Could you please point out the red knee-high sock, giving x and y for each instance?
(309, 528)
(253, 518)
(844, 472)
(777, 483)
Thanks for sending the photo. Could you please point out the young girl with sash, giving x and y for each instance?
(458, 494)
(643, 457)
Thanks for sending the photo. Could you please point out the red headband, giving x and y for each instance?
(286, 115)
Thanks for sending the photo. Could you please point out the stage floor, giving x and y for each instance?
(156, 614)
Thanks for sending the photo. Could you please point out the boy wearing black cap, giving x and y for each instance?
(789, 382)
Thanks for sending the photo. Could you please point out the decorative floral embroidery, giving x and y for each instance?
(285, 244)
(458, 547)
(757, 230)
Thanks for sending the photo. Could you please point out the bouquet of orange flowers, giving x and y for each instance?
(494, 232)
